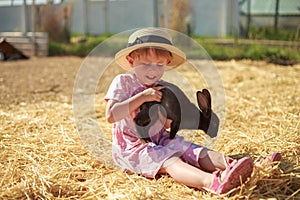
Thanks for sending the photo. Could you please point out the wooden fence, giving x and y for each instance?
(24, 42)
(237, 41)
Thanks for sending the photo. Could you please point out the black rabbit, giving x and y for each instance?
(175, 105)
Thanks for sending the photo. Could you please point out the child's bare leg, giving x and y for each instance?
(211, 160)
(217, 181)
(189, 175)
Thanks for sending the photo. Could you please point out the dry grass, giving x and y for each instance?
(42, 156)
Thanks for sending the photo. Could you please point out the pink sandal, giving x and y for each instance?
(241, 169)
(274, 157)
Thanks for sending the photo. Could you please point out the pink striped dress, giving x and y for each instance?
(128, 151)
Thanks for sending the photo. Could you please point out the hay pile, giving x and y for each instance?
(42, 156)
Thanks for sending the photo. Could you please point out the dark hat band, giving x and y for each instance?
(150, 39)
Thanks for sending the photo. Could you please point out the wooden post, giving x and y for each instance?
(33, 28)
(276, 16)
(24, 18)
(248, 17)
(155, 13)
(166, 13)
(86, 16)
(106, 16)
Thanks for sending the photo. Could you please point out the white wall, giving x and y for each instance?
(208, 18)
(215, 18)
(78, 17)
(11, 18)
(99, 17)
(132, 14)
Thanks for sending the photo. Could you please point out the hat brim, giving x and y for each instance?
(178, 57)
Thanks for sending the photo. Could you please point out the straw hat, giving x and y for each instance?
(150, 37)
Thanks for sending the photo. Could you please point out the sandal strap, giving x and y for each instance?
(274, 157)
(217, 181)
(228, 161)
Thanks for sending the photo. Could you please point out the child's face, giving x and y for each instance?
(149, 68)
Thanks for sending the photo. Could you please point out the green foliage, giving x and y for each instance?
(84, 48)
(268, 33)
(221, 52)
(77, 49)
(281, 55)
(56, 49)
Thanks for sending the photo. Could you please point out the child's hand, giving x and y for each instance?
(152, 94)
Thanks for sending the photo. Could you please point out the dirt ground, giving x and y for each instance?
(37, 79)
(42, 155)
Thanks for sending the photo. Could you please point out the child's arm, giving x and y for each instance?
(116, 111)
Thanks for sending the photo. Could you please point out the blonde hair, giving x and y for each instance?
(147, 50)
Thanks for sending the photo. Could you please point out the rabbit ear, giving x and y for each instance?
(204, 100)
(207, 95)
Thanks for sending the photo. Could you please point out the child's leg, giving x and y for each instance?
(189, 175)
(211, 160)
(194, 177)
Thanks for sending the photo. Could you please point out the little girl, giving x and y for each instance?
(149, 53)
